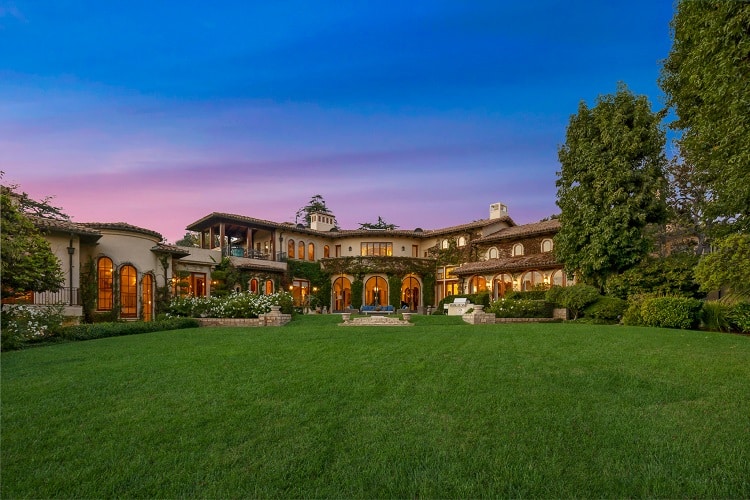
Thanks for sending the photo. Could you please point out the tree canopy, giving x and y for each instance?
(706, 79)
(728, 266)
(380, 224)
(28, 264)
(611, 185)
(316, 204)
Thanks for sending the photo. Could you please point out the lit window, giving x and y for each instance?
(148, 297)
(290, 249)
(311, 251)
(301, 250)
(326, 252)
(381, 249)
(128, 292)
(104, 296)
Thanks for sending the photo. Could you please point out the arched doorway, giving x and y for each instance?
(502, 284)
(410, 292)
(376, 291)
(342, 294)
(477, 284)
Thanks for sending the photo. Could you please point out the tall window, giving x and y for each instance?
(301, 250)
(559, 278)
(517, 250)
(444, 245)
(382, 249)
(461, 241)
(338, 250)
(269, 287)
(105, 278)
(128, 292)
(290, 249)
(311, 251)
(376, 291)
(300, 290)
(415, 250)
(147, 297)
(326, 251)
(254, 285)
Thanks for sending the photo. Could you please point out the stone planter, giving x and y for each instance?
(346, 317)
(406, 316)
(478, 307)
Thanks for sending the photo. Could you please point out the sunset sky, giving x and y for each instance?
(157, 113)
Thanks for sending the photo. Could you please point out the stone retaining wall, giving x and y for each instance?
(479, 317)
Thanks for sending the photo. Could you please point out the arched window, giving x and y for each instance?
(531, 279)
(376, 291)
(147, 297)
(301, 250)
(104, 300)
(342, 293)
(311, 251)
(461, 241)
(517, 250)
(128, 292)
(410, 292)
(254, 285)
(477, 284)
(290, 249)
(269, 287)
(445, 244)
(547, 245)
(502, 284)
(326, 252)
(492, 253)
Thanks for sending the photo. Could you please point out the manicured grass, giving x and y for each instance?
(442, 409)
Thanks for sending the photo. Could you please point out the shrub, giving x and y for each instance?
(578, 296)
(715, 316)
(606, 309)
(103, 330)
(671, 312)
(554, 294)
(527, 295)
(234, 305)
(521, 308)
(481, 298)
(672, 275)
(632, 315)
(23, 324)
(739, 317)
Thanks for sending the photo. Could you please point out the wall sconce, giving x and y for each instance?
(403, 249)
(291, 287)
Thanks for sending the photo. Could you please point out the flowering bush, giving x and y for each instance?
(235, 305)
(521, 308)
(29, 323)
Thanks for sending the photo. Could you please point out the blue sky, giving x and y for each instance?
(424, 113)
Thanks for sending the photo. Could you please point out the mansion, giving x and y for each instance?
(410, 269)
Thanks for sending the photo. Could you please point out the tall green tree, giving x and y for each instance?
(27, 262)
(380, 224)
(727, 267)
(706, 79)
(688, 200)
(611, 185)
(316, 204)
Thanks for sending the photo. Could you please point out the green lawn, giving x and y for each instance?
(441, 409)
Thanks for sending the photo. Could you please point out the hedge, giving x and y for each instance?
(671, 312)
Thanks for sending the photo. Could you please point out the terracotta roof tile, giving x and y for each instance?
(548, 226)
(66, 226)
(122, 226)
(534, 261)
